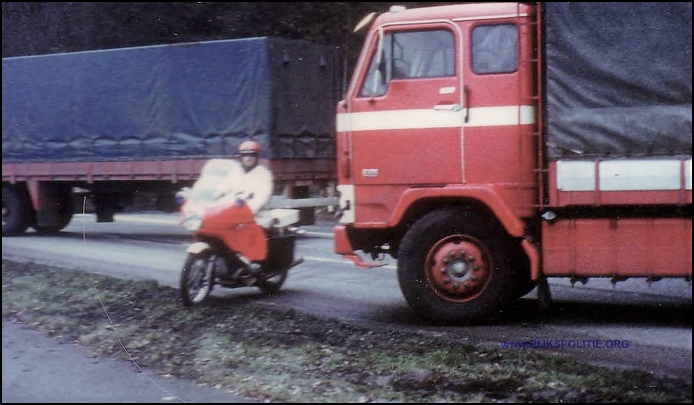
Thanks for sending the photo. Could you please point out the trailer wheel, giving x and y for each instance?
(64, 210)
(65, 220)
(15, 211)
(454, 267)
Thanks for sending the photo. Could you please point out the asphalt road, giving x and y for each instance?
(39, 369)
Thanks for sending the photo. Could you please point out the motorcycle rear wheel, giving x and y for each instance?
(278, 263)
(197, 279)
(274, 282)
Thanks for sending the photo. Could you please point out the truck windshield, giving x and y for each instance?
(411, 55)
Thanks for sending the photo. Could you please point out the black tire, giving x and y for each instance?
(65, 209)
(523, 287)
(456, 268)
(16, 211)
(524, 284)
(197, 279)
(274, 282)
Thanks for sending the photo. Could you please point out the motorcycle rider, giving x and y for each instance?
(255, 184)
(249, 183)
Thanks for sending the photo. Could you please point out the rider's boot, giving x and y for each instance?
(251, 267)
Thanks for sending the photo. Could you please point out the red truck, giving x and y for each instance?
(118, 123)
(488, 147)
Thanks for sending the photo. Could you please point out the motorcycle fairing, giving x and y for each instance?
(236, 226)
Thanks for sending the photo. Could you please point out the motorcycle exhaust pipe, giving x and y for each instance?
(296, 230)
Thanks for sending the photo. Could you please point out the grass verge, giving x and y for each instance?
(285, 356)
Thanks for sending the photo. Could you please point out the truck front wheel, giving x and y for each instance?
(454, 267)
(15, 211)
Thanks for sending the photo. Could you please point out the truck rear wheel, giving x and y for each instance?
(15, 211)
(454, 267)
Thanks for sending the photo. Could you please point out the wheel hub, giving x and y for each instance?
(458, 268)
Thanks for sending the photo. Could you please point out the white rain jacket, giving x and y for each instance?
(255, 187)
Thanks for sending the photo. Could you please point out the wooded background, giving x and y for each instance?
(52, 27)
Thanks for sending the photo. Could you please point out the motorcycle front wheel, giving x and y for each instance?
(197, 279)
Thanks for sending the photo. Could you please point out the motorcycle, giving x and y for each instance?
(233, 248)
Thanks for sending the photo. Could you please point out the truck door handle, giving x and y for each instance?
(448, 107)
(466, 100)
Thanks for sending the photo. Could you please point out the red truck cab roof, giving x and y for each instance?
(453, 12)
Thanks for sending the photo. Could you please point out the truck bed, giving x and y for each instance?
(170, 102)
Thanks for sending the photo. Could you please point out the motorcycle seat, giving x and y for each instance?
(278, 217)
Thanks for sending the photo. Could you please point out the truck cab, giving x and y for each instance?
(443, 164)
(419, 117)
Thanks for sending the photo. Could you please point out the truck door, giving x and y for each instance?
(406, 117)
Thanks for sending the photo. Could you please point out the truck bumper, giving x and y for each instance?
(343, 247)
(342, 244)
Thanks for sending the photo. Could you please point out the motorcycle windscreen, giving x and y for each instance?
(218, 176)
